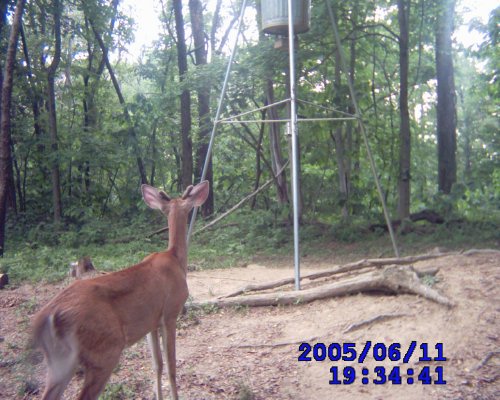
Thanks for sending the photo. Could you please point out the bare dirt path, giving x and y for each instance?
(253, 353)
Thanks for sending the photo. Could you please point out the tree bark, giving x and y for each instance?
(446, 98)
(200, 53)
(342, 165)
(343, 157)
(215, 25)
(258, 164)
(467, 145)
(187, 146)
(6, 101)
(89, 107)
(51, 105)
(275, 145)
(392, 279)
(353, 137)
(404, 127)
(121, 99)
(342, 269)
(91, 78)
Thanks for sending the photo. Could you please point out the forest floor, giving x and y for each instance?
(252, 353)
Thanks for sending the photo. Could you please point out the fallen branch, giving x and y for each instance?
(164, 229)
(236, 206)
(486, 358)
(242, 201)
(426, 271)
(378, 318)
(278, 344)
(338, 269)
(392, 279)
(472, 252)
(425, 215)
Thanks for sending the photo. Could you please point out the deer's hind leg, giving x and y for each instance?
(60, 372)
(97, 373)
(99, 355)
(61, 355)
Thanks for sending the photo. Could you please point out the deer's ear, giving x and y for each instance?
(153, 197)
(199, 193)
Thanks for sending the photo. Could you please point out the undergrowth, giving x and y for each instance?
(43, 253)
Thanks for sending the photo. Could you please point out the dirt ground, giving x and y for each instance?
(253, 353)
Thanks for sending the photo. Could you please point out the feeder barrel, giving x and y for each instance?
(275, 16)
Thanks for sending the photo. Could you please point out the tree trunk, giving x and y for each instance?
(404, 127)
(187, 146)
(258, 167)
(467, 146)
(353, 137)
(6, 101)
(52, 117)
(275, 146)
(343, 157)
(342, 162)
(274, 130)
(91, 80)
(446, 107)
(89, 107)
(121, 99)
(200, 52)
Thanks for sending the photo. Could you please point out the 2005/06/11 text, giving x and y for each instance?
(380, 352)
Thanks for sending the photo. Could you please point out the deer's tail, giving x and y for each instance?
(55, 336)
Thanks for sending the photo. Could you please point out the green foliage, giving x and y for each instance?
(245, 392)
(349, 231)
(97, 154)
(117, 391)
(246, 236)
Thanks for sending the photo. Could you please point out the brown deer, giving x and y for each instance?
(92, 321)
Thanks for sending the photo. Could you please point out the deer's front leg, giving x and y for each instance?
(168, 335)
(154, 346)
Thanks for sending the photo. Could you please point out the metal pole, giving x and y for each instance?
(294, 133)
(217, 114)
(363, 130)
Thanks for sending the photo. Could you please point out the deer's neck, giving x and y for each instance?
(177, 239)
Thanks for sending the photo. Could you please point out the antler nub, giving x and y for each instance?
(187, 192)
(164, 196)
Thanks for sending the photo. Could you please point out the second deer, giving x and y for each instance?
(92, 321)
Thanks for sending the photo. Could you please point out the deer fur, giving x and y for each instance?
(92, 321)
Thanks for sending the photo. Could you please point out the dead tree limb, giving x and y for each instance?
(378, 318)
(236, 206)
(277, 344)
(425, 215)
(426, 271)
(472, 252)
(131, 128)
(232, 209)
(392, 279)
(242, 201)
(486, 358)
(338, 269)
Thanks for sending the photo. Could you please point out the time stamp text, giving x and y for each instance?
(380, 352)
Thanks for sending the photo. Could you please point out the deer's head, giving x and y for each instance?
(193, 196)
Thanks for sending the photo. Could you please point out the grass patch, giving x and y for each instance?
(236, 242)
(117, 391)
(245, 392)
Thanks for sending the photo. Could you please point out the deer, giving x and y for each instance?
(91, 322)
